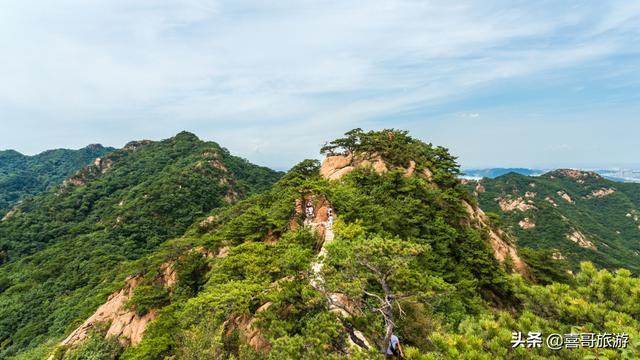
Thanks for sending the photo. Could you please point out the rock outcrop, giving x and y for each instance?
(336, 166)
(10, 214)
(246, 327)
(602, 192)
(99, 166)
(526, 224)
(136, 145)
(565, 196)
(579, 238)
(508, 204)
(502, 248)
(103, 164)
(577, 174)
(125, 323)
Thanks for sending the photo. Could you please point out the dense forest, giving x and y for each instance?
(22, 175)
(65, 250)
(227, 260)
(573, 214)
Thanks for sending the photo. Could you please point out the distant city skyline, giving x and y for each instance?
(501, 84)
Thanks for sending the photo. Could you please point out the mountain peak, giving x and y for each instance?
(388, 149)
(573, 173)
(186, 136)
(94, 147)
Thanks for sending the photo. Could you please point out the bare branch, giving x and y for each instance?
(375, 296)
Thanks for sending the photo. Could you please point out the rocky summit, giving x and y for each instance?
(179, 250)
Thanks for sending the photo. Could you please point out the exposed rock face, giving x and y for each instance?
(168, 273)
(550, 200)
(223, 252)
(99, 166)
(218, 165)
(136, 145)
(411, 169)
(124, 323)
(344, 305)
(250, 333)
(336, 166)
(576, 174)
(231, 196)
(103, 164)
(602, 192)
(10, 214)
(579, 238)
(526, 224)
(208, 221)
(428, 174)
(73, 181)
(501, 247)
(507, 204)
(565, 196)
(530, 195)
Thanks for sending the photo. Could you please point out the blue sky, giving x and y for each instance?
(501, 83)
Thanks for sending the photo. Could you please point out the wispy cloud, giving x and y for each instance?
(304, 69)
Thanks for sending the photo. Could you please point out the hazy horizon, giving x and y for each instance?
(611, 166)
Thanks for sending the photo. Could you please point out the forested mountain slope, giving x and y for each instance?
(408, 253)
(404, 250)
(22, 175)
(61, 251)
(575, 214)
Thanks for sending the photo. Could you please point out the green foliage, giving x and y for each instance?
(22, 176)
(397, 148)
(544, 268)
(608, 222)
(147, 297)
(190, 272)
(68, 249)
(96, 347)
(555, 308)
(244, 279)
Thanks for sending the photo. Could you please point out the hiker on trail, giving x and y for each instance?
(309, 209)
(394, 350)
(330, 216)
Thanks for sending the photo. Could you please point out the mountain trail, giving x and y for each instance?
(338, 303)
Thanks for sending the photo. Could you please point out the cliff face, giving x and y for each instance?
(336, 166)
(124, 323)
(502, 246)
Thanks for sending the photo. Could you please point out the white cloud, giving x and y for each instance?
(301, 67)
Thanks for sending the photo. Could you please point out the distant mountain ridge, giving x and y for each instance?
(619, 175)
(578, 214)
(24, 175)
(495, 172)
(177, 249)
